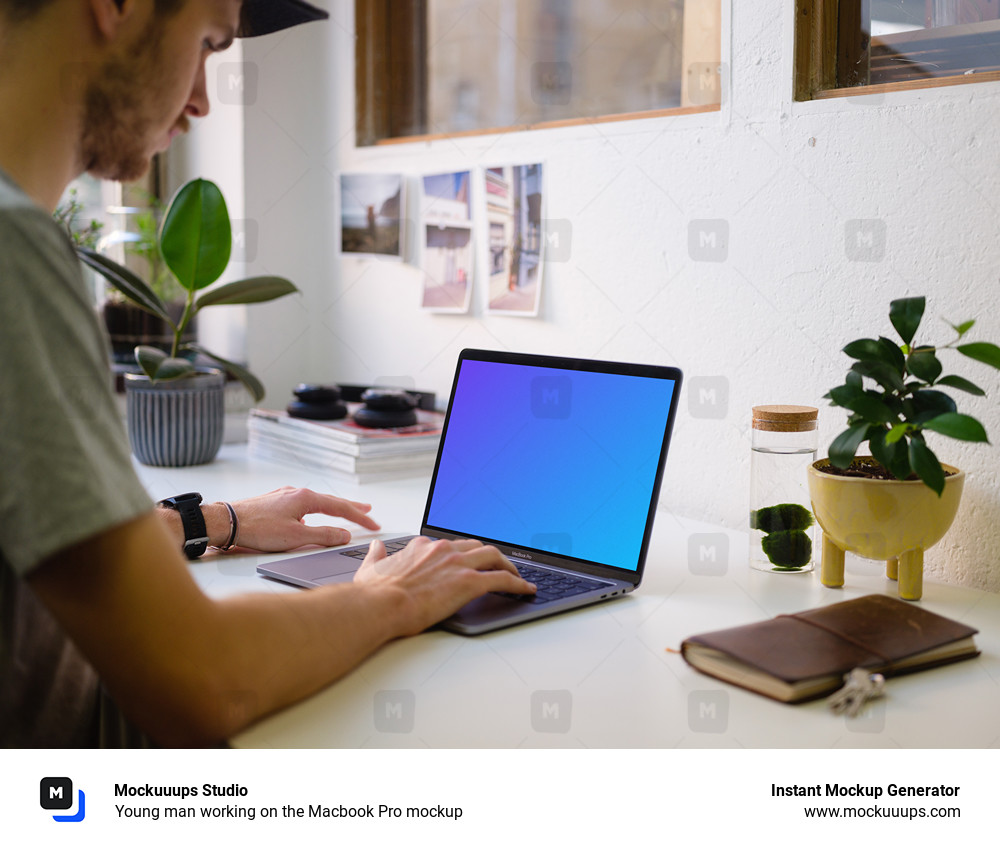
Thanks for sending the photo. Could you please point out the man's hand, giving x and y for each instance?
(437, 577)
(274, 521)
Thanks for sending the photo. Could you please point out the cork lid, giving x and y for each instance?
(786, 418)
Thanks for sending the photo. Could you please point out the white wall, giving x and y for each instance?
(214, 150)
(763, 326)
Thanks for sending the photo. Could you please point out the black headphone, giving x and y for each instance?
(387, 407)
(317, 401)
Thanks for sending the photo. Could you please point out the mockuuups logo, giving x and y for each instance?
(56, 794)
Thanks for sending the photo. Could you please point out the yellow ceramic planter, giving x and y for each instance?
(889, 520)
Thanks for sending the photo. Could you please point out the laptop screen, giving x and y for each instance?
(564, 460)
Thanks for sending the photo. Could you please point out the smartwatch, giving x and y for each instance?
(192, 520)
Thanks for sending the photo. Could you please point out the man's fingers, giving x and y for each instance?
(350, 510)
(486, 558)
(325, 535)
(341, 508)
(497, 581)
(376, 551)
(359, 517)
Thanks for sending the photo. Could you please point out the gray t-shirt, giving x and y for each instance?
(65, 476)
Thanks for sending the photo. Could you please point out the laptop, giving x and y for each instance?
(555, 461)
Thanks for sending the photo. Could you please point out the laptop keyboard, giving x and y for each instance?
(361, 551)
(551, 585)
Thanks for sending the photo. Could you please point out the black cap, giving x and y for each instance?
(260, 17)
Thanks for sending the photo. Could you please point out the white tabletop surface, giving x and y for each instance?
(604, 676)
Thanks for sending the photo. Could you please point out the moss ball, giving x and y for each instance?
(788, 549)
(781, 517)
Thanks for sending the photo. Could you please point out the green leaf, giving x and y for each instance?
(894, 353)
(174, 367)
(958, 426)
(897, 432)
(854, 379)
(196, 237)
(893, 403)
(924, 364)
(865, 349)
(867, 405)
(957, 382)
(156, 365)
(882, 374)
(926, 465)
(125, 281)
(930, 400)
(893, 455)
(253, 290)
(841, 394)
(985, 352)
(964, 327)
(905, 315)
(243, 375)
(149, 359)
(845, 446)
(879, 350)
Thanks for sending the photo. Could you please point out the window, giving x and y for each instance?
(441, 67)
(893, 44)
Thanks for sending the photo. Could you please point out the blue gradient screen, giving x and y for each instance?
(558, 460)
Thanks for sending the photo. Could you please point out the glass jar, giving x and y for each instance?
(781, 521)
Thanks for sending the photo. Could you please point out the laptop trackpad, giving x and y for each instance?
(487, 608)
(325, 567)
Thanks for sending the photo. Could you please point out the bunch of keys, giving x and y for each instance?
(860, 687)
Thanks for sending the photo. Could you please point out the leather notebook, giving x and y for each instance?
(801, 656)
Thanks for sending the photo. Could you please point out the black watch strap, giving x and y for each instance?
(192, 520)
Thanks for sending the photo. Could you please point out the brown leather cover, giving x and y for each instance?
(874, 632)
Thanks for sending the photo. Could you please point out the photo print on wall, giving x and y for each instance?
(371, 215)
(448, 255)
(513, 196)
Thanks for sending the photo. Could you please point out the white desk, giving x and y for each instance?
(602, 676)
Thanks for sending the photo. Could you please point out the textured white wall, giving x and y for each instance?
(764, 325)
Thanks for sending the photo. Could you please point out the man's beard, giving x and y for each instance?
(118, 111)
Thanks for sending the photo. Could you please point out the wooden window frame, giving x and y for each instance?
(828, 66)
(386, 111)
(390, 95)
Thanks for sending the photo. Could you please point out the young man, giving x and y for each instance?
(104, 637)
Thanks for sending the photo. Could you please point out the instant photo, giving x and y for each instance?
(446, 225)
(371, 214)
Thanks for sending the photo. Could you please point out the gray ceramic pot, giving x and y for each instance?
(176, 422)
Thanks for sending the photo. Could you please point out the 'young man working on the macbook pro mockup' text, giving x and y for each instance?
(105, 639)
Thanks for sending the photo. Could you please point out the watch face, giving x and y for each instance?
(188, 498)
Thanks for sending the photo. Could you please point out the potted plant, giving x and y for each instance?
(901, 500)
(175, 407)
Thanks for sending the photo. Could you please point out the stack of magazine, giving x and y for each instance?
(345, 448)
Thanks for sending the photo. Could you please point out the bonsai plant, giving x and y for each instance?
(195, 241)
(894, 395)
(906, 399)
(66, 215)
